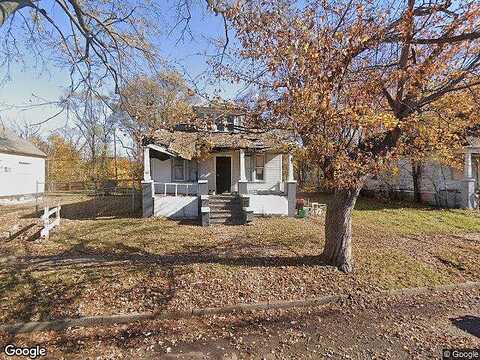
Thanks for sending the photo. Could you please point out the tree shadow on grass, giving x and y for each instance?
(242, 255)
(96, 207)
(50, 287)
(26, 298)
(32, 295)
(469, 324)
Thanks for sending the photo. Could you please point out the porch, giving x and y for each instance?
(471, 182)
(179, 188)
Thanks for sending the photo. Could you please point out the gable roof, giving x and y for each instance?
(193, 144)
(13, 144)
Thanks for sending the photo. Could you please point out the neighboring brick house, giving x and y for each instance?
(222, 174)
(439, 185)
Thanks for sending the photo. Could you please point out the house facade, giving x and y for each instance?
(440, 185)
(22, 168)
(224, 174)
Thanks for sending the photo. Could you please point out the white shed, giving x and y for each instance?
(22, 167)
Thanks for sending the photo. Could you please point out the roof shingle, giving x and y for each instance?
(190, 145)
(12, 144)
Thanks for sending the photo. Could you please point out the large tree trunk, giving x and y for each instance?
(338, 229)
(417, 181)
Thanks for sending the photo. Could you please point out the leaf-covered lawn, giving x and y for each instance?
(125, 265)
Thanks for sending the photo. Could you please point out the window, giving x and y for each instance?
(249, 167)
(226, 123)
(230, 123)
(192, 170)
(255, 167)
(259, 166)
(178, 169)
(184, 170)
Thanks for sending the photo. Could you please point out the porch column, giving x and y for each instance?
(291, 188)
(242, 165)
(203, 202)
(146, 164)
(468, 164)
(148, 190)
(242, 183)
(290, 168)
(469, 198)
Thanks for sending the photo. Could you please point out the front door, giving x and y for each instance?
(224, 174)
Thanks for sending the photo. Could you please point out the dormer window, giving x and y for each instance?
(226, 124)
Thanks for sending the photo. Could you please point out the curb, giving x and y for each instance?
(88, 321)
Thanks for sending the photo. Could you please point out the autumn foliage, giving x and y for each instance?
(360, 83)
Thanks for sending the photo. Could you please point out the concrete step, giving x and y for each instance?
(228, 215)
(224, 201)
(224, 206)
(225, 222)
(224, 211)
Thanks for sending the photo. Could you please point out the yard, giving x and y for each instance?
(121, 265)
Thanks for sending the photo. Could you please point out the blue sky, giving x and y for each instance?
(27, 82)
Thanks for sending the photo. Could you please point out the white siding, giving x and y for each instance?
(273, 172)
(176, 207)
(269, 204)
(19, 174)
(161, 172)
(272, 175)
(435, 180)
(206, 171)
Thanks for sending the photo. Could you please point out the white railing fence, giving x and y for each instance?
(176, 189)
(48, 224)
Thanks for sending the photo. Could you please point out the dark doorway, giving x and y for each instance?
(224, 174)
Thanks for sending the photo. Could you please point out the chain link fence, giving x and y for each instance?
(92, 199)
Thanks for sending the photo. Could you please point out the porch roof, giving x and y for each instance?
(189, 145)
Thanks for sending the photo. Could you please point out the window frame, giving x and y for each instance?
(251, 171)
(187, 169)
(262, 155)
(174, 178)
(250, 168)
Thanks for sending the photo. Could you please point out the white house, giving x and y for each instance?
(22, 167)
(439, 185)
(225, 174)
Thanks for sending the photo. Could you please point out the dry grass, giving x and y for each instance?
(136, 265)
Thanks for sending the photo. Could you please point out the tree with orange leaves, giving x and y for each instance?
(350, 78)
(440, 134)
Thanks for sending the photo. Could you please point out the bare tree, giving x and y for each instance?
(92, 118)
(99, 42)
(155, 102)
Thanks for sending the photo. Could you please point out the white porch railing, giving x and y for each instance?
(176, 189)
(47, 223)
(261, 188)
